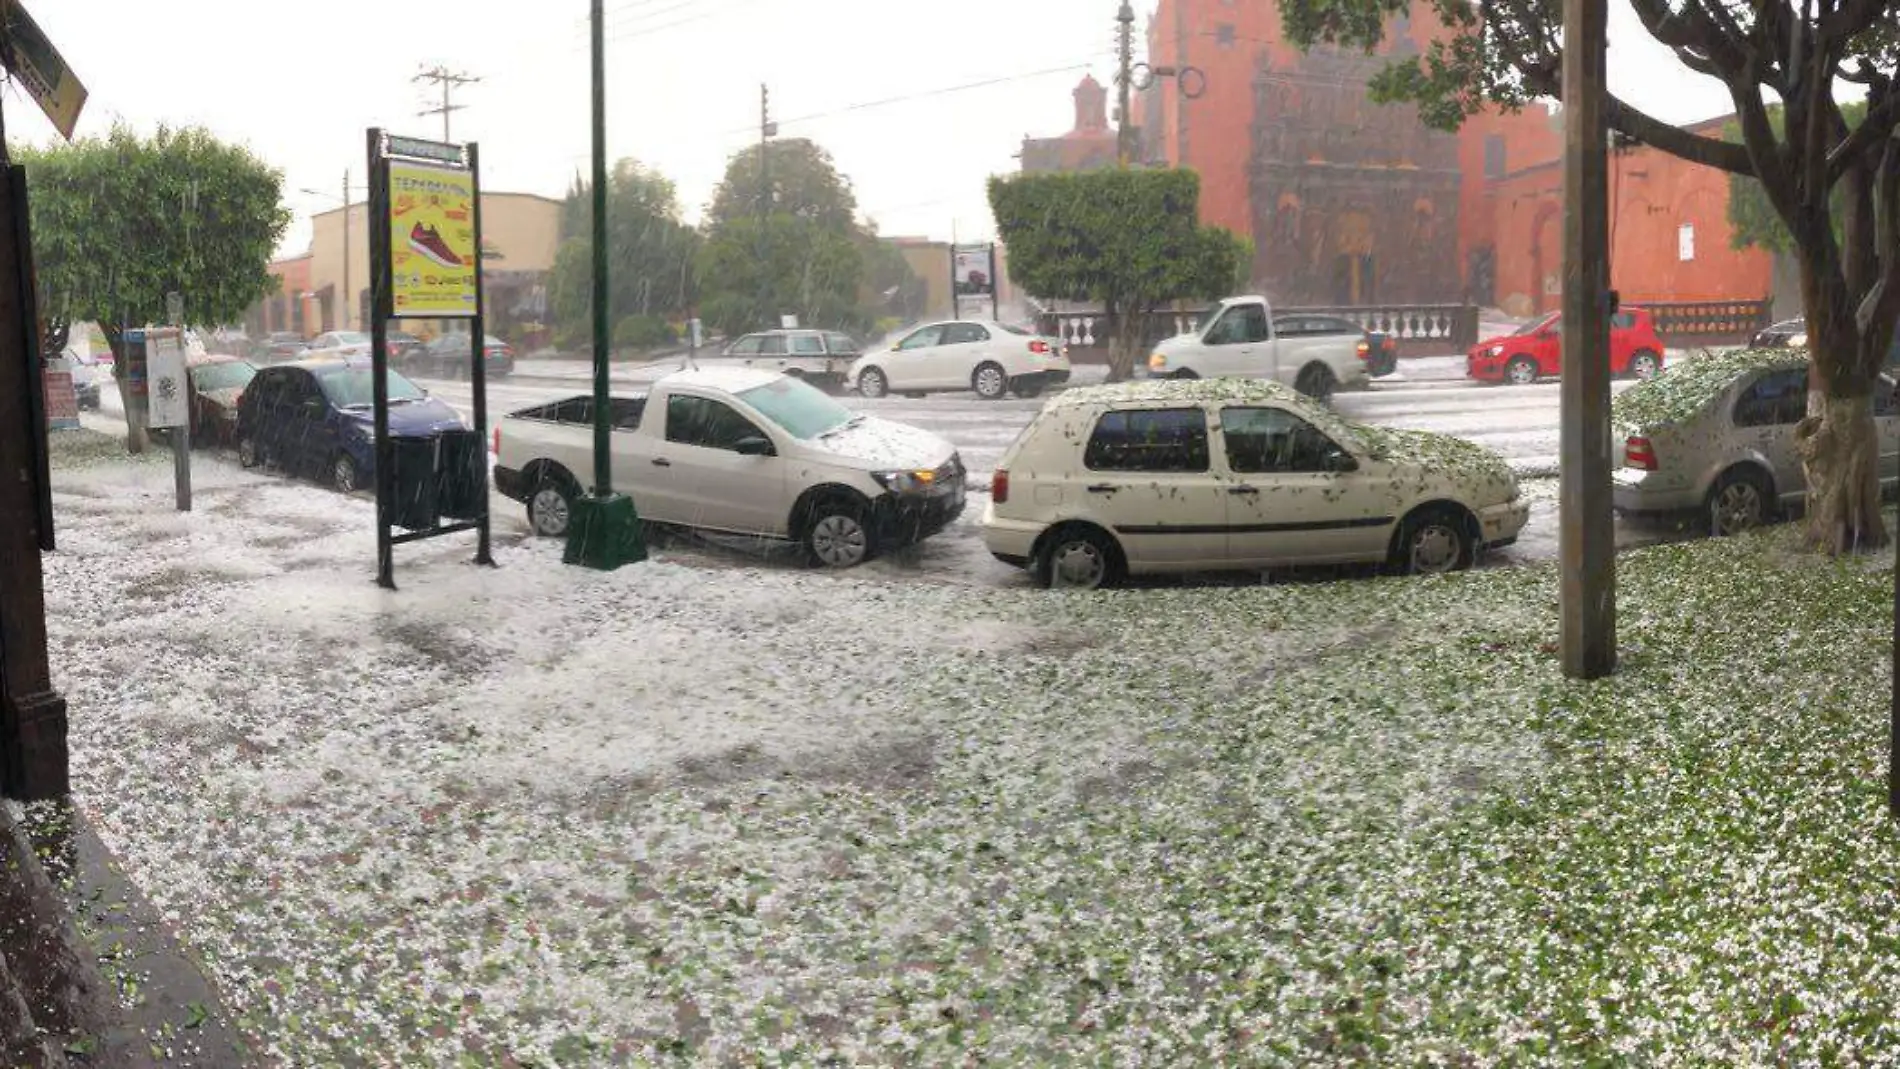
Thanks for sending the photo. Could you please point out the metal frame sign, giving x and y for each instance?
(170, 403)
(42, 70)
(974, 270)
(434, 265)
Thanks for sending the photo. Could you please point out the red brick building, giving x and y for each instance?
(1352, 203)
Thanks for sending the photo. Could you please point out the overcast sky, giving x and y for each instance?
(300, 83)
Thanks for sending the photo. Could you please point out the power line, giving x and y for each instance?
(930, 93)
(449, 81)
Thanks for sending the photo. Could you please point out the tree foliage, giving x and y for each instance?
(1131, 239)
(802, 180)
(650, 253)
(1751, 216)
(1833, 185)
(120, 221)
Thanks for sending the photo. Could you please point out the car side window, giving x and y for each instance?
(626, 412)
(265, 388)
(1240, 326)
(301, 390)
(704, 422)
(1777, 398)
(963, 334)
(772, 345)
(1164, 439)
(746, 346)
(841, 345)
(1273, 440)
(1622, 321)
(808, 345)
(923, 339)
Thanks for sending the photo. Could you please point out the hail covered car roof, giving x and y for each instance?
(1682, 389)
(1180, 391)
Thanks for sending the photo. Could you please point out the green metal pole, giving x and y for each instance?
(603, 461)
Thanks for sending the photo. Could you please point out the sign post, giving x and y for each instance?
(425, 232)
(170, 384)
(973, 276)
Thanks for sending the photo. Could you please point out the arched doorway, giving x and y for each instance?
(1353, 267)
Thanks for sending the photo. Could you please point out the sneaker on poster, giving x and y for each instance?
(425, 240)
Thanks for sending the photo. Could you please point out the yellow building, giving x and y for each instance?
(520, 232)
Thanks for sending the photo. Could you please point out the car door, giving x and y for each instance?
(1764, 418)
(771, 353)
(701, 478)
(1240, 343)
(1295, 495)
(953, 362)
(1547, 347)
(1146, 476)
(305, 439)
(909, 365)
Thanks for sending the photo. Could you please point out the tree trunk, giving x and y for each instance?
(1840, 455)
(1124, 343)
(137, 436)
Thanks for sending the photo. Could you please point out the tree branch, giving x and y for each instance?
(1680, 143)
(1883, 115)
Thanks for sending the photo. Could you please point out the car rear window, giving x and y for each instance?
(808, 345)
(841, 345)
(1156, 439)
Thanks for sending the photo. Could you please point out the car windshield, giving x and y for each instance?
(224, 375)
(803, 410)
(1207, 318)
(353, 387)
(350, 337)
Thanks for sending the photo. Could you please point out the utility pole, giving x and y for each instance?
(767, 129)
(1587, 537)
(449, 81)
(1124, 83)
(348, 300)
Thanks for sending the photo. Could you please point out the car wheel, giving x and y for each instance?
(1184, 375)
(1316, 381)
(343, 474)
(872, 383)
(249, 455)
(1079, 558)
(551, 506)
(837, 533)
(1644, 365)
(1027, 388)
(1521, 371)
(990, 382)
(1738, 502)
(1434, 541)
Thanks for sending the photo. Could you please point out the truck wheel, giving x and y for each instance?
(551, 504)
(837, 533)
(1317, 381)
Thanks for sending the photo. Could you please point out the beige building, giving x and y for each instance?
(520, 232)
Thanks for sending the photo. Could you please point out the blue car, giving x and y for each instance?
(317, 418)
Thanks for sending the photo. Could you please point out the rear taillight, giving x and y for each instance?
(1365, 350)
(999, 486)
(1039, 346)
(1639, 453)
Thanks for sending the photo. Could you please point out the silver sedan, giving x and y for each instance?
(1715, 435)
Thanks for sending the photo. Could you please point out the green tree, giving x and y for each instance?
(1751, 216)
(797, 265)
(1834, 186)
(650, 254)
(803, 182)
(119, 222)
(1131, 239)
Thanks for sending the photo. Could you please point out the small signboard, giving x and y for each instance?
(42, 70)
(170, 404)
(434, 272)
(975, 270)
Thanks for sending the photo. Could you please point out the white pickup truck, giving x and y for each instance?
(1237, 338)
(740, 451)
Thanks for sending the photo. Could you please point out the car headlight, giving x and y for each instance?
(1157, 362)
(1495, 350)
(906, 482)
(1799, 341)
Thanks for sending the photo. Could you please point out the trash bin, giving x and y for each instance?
(417, 505)
(461, 475)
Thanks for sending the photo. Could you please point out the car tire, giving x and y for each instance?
(344, 474)
(1521, 371)
(1028, 388)
(1184, 375)
(1078, 557)
(1740, 501)
(1434, 540)
(1644, 364)
(872, 383)
(551, 504)
(1317, 381)
(990, 381)
(836, 533)
(250, 454)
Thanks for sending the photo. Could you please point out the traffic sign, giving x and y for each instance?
(41, 69)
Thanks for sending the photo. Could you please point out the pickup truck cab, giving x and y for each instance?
(740, 451)
(1236, 339)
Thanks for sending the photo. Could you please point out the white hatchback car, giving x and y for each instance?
(339, 343)
(1210, 474)
(994, 359)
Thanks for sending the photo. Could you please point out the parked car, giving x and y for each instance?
(820, 357)
(217, 386)
(279, 346)
(316, 417)
(1793, 334)
(399, 344)
(1240, 336)
(344, 344)
(994, 359)
(1536, 350)
(744, 451)
(448, 356)
(1715, 435)
(1183, 476)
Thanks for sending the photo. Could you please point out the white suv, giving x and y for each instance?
(994, 359)
(1207, 474)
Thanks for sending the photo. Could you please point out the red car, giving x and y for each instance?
(1537, 350)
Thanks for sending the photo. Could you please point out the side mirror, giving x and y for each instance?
(753, 447)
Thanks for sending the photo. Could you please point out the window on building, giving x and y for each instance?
(1224, 35)
(1494, 156)
(1685, 242)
